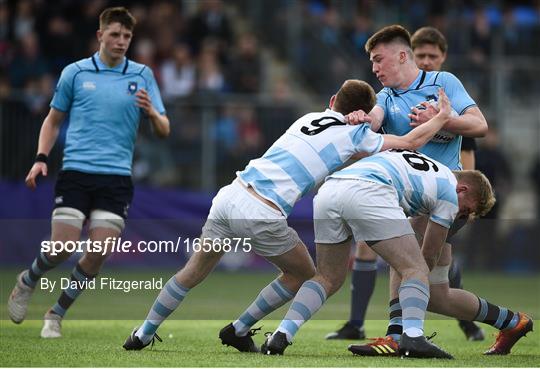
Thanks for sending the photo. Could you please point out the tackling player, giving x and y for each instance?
(256, 206)
(370, 200)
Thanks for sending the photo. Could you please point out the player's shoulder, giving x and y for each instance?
(384, 92)
(440, 78)
(78, 66)
(138, 68)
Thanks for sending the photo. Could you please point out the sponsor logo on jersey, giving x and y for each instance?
(394, 109)
(89, 85)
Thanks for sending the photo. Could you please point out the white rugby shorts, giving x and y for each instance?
(368, 211)
(235, 212)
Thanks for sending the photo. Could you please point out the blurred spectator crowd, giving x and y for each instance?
(331, 35)
(190, 48)
(196, 50)
(204, 52)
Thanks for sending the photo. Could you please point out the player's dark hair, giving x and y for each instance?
(429, 36)
(354, 95)
(117, 14)
(393, 33)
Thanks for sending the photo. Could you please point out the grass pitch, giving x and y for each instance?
(100, 321)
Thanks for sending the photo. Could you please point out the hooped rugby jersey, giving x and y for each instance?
(313, 147)
(423, 185)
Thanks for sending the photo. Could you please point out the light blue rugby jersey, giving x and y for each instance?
(103, 115)
(397, 105)
(428, 190)
(313, 147)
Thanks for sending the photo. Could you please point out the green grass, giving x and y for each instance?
(190, 340)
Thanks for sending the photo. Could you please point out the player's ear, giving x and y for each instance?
(332, 101)
(99, 34)
(402, 57)
(461, 187)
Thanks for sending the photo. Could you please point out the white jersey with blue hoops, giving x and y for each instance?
(423, 185)
(313, 147)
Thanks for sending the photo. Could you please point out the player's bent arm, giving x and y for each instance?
(434, 239)
(161, 124)
(377, 117)
(416, 138)
(49, 131)
(472, 123)
(420, 135)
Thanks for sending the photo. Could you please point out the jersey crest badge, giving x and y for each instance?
(132, 87)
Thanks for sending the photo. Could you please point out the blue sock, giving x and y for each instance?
(167, 301)
(40, 265)
(496, 316)
(414, 299)
(307, 302)
(72, 292)
(269, 299)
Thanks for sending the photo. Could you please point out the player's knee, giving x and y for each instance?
(106, 219)
(413, 271)
(93, 261)
(70, 216)
(364, 252)
(307, 272)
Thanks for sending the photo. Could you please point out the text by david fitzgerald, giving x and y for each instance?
(102, 283)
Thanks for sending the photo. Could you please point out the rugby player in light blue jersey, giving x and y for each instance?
(429, 47)
(103, 97)
(370, 201)
(405, 87)
(256, 205)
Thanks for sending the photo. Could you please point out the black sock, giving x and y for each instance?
(362, 285)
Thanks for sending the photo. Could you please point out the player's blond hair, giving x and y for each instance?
(481, 190)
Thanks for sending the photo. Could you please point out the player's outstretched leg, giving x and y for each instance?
(462, 304)
(296, 267)
(238, 334)
(52, 321)
(307, 302)
(331, 272)
(173, 293)
(472, 331)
